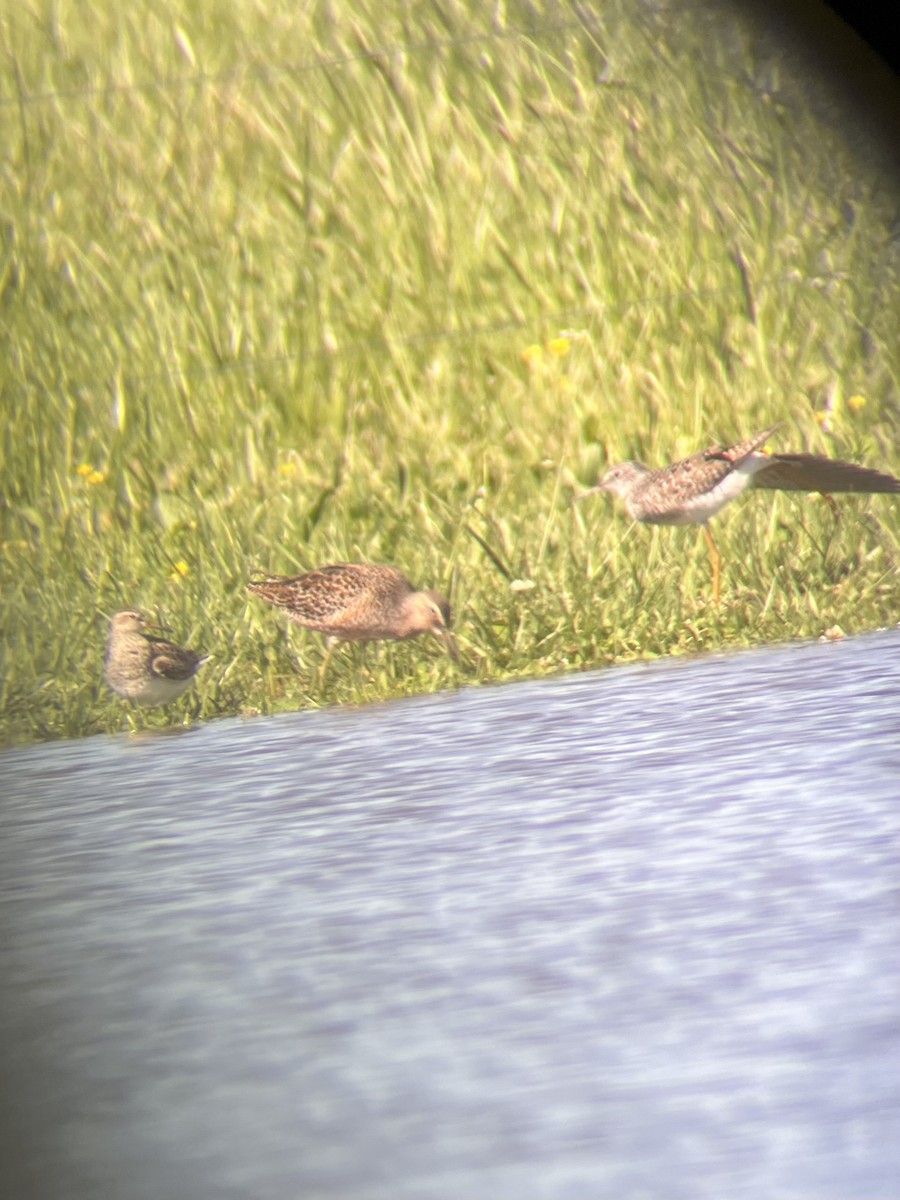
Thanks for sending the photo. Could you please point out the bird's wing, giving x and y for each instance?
(172, 662)
(812, 473)
(736, 454)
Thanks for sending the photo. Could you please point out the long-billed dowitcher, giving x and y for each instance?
(144, 669)
(358, 602)
(693, 490)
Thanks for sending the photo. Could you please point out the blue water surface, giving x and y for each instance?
(632, 933)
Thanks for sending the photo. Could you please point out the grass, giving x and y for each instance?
(282, 287)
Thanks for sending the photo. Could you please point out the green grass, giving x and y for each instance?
(289, 293)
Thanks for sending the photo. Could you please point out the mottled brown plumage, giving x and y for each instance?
(144, 669)
(693, 490)
(358, 602)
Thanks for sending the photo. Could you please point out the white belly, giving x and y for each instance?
(699, 509)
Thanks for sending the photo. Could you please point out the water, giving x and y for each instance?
(633, 933)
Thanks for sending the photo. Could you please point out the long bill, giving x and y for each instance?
(450, 642)
(591, 491)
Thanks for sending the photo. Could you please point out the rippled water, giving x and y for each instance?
(633, 933)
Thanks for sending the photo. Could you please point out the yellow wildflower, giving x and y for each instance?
(533, 355)
(855, 403)
(96, 477)
(559, 347)
(84, 469)
(181, 569)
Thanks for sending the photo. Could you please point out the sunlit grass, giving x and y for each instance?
(278, 292)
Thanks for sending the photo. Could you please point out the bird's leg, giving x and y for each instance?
(330, 643)
(363, 657)
(716, 559)
(294, 655)
(832, 504)
(836, 513)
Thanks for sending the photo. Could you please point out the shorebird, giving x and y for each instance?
(693, 490)
(358, 602)
(144, 669)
